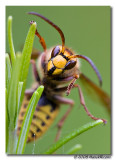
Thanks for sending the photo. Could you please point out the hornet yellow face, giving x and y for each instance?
(59, 62)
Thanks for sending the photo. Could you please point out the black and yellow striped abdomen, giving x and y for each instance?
(43, 117)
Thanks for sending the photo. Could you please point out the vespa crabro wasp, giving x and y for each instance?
(58, 68)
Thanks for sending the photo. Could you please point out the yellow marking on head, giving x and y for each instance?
(57, 71)
(74, 59)
(59, 61)
(67, 54)
(50, 65)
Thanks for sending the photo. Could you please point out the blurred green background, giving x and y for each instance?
(87, 31)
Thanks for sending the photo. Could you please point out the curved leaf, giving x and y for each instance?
(72, 135)
(27, 120)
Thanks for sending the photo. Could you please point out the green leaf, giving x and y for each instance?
(8, 70)
(26, 56)
(13, 91)
(10, 40)
(7, 132)
(27, 120)
(72, 135)
(20, 86)
(18, 106)
(74, 149)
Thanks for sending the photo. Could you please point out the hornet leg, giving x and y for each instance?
(82, 101)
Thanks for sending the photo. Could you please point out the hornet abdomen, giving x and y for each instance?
(44, 115)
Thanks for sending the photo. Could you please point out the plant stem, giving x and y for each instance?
(11, 142)
(12, 92)
(19, 70)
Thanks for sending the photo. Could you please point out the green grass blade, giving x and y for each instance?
(26, 56)
(74, 149)
(72, 135)
(8, 70)
(12, 92)
(27, 120)
(10, 40)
